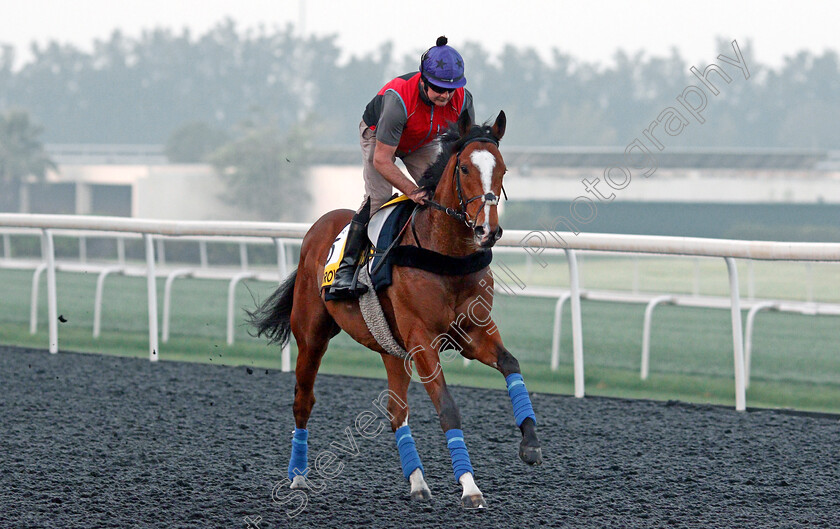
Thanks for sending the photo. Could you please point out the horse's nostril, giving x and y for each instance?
(499, 233)
(479, 230)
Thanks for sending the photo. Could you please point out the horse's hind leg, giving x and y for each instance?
(398, 381)
(313, 328)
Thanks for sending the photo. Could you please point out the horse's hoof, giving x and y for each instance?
(298, 483)
(530, 454)
(421, 495)
(476, 501)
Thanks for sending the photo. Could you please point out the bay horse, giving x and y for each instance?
(420, 307)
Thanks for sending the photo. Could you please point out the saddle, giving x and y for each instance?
(385, 228)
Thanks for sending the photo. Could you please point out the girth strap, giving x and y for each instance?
(423, 259)
(375, 319)
(438, 263)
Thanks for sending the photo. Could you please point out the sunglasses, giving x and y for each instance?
(438, 89)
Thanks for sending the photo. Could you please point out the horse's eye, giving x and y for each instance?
(465, 169)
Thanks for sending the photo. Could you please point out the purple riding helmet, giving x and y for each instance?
(442, 66)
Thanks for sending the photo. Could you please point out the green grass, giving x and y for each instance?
(669, 274)
(796, 362)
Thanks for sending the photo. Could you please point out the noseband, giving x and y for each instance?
(489, 199)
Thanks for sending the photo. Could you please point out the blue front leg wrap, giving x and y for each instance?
(522, 408)
(297, 463)
(409, 458)
(458, 452)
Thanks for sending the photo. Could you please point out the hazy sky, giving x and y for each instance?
(590, 30)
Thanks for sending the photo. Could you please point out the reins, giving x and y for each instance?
(396, 240)
(457, 214)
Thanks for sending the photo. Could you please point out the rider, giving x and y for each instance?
(401, 121)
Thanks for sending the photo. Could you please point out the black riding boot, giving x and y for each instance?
(344, 285)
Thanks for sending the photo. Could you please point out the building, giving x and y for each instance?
(137, 181)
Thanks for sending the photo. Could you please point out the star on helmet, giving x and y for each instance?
(443, 66)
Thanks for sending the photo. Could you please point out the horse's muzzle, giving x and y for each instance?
(487, 240)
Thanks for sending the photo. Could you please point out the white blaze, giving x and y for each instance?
(485, 162)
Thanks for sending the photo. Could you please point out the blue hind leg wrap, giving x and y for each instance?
(522, 408)
(409, 458)
(297, 462)
(458, 452)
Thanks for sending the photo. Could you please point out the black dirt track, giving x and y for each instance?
(100, 441)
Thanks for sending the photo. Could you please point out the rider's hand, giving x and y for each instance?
(420, 195)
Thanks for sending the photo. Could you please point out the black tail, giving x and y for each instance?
(273, 318)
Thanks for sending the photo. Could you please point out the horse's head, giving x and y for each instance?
(471, 183)
(479, 169)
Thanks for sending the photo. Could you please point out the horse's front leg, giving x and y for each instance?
(487, 348)
(431, 375)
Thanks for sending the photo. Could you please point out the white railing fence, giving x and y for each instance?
(148, 229)
(533, 243)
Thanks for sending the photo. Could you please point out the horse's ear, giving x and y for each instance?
(464, 123)
(499, 126)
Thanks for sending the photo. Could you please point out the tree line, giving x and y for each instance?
(253, 103)
(154, 87)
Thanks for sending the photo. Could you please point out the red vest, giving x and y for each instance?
(425, 121)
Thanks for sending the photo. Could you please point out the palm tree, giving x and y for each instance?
(22, 156)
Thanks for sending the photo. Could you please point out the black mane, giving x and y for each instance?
(450, 143)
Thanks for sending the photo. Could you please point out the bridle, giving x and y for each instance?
(489, 199)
